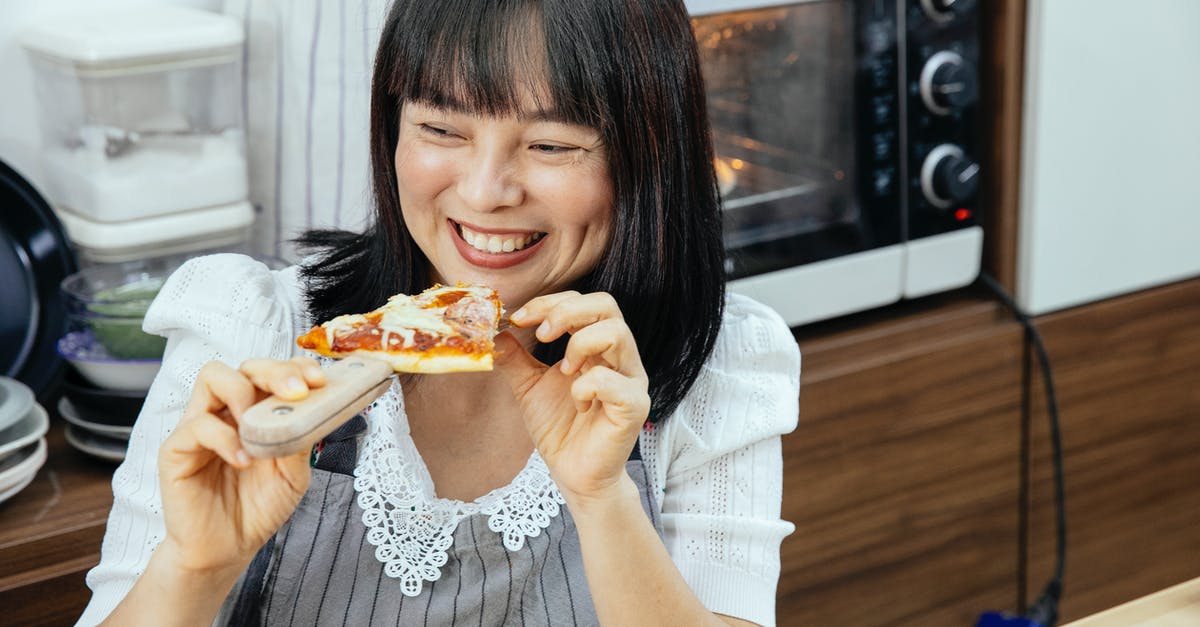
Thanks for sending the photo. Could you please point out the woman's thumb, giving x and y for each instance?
(521, 369)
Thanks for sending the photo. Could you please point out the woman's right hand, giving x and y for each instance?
(219, 504)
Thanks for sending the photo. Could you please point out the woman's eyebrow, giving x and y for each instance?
(543, 115)
(451, 104)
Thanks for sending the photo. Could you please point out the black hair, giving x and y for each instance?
(628, 68)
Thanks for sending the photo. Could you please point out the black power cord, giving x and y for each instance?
(1044, 610)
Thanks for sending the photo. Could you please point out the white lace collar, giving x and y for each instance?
(409, 526)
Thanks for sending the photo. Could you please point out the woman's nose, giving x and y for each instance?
(490, 180)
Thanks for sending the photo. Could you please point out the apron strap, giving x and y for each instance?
(339, 450)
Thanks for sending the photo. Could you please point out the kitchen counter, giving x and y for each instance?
(50, 535)
(1177, 606)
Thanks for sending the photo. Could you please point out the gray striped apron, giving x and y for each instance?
(320, 570)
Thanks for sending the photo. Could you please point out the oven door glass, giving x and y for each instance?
(782, 85)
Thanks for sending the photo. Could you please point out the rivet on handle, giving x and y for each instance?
(282, 410)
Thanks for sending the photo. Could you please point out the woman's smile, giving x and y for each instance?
(492, 248)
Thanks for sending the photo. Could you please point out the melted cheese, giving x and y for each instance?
(400, 314)
(340, 324)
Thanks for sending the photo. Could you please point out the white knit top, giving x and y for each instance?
(715, 464)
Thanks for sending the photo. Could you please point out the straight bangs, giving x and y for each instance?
(495, 58)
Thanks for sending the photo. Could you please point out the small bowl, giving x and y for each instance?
(119, 289)
(111, 407)
(92, 360)
(110, 300)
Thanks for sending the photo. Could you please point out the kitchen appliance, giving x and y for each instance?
(142, 129)
(844, 133)
(1108, 151)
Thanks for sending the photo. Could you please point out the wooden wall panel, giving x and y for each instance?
(902, 477)
(1128, 383)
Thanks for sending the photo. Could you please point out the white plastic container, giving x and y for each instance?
(140, 110)
(177, 233)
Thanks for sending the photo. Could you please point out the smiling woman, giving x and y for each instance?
(620, 465)
(619, 86)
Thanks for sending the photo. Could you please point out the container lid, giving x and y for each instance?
(173, 233)
(130, 33)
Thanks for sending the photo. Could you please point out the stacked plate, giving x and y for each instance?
(23, 425)
(99, 420)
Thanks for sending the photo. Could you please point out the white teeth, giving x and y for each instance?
(495, 243)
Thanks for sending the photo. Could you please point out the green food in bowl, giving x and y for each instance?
(126, 301)
(117, 320)
(124, 338)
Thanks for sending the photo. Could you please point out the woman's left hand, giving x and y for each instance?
(585, 412)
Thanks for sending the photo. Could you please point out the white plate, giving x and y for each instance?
(15, 400)
(28, 429)
(15, 468)
(108, 449)
(21, 485)
(71, 415)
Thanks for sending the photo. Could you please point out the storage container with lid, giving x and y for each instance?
(140, 110)
(170, 234)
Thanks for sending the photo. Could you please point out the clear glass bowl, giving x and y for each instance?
(110, 301)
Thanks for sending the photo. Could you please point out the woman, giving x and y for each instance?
(558, 152)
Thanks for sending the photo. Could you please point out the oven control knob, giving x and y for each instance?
(942, 11)
(948, 177)
(948, 83)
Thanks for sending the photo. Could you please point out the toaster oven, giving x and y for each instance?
(845, 132)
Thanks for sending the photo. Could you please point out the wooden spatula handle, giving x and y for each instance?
(277, 427)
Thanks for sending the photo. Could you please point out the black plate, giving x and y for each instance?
(95, 404)
(35, 257)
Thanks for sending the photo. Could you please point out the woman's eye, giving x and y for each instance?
(552, 149)
(436, 131)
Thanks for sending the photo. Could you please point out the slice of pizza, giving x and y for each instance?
(443, 329)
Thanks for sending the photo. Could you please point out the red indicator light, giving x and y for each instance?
(962, 214)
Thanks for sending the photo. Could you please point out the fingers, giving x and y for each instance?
(221, 395)
(189, 447)
(289, 380)
(220, 387)
(597, 327)
(624, 398)
(565, 312)
(609, 341)
(520, 368)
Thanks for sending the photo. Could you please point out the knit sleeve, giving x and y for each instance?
(221, 307)
(718, 466)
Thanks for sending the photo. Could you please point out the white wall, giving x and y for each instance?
(20, 142)
(1111, 149)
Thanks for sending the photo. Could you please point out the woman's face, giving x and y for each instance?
(521, 204)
